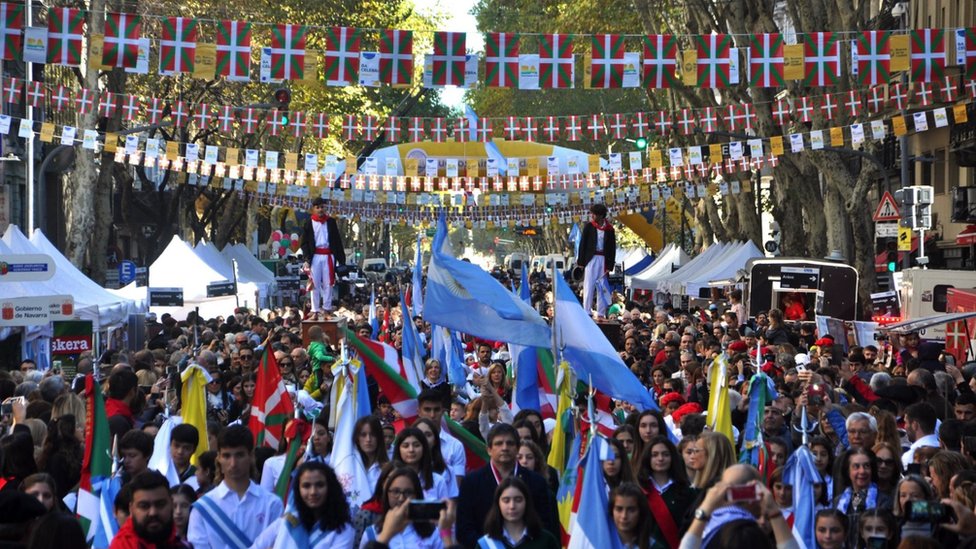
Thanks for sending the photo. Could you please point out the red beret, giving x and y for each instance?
(671, 397)
(738, 346)
(685, 409)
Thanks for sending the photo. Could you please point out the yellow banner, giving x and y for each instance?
(776, 145)
(899, 48)
(836, 137)
(714, 153)
(793, 60)
(232, 156)
(898, 124)
(111, 142)
(205, 61)
(959, 113)
(689, 67)
(172, 150)
(594, 163)
(655, 158)
(96, 46)
(47, 132)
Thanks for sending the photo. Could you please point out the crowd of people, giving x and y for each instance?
(891, 428)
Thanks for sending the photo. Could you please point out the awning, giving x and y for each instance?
(881, 260)
(967, 237)
(917, 324)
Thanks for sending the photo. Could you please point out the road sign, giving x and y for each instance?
(886, 229)
(165, 297)
(220, 289)
(26, 267)
(887, 209)
(904, 239)
(799, 278)
(127, 272)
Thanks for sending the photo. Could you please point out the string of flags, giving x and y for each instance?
(539, 184)
(374, 57)
(732, 117)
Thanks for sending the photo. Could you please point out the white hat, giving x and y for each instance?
(802, 358)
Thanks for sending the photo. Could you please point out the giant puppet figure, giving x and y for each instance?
(597, 253)
(323, 251)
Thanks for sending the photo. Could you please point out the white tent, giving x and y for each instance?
(84, 284)
(669, 282)
(92, 302)
(248, 265)
(670, 257)
(722, 268)
(245, 285)
(180, 267)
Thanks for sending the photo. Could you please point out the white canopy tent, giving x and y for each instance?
(180, 267)
(248, 265)
(92, 302)
(722, 267)
(669, 282)
(670, 257)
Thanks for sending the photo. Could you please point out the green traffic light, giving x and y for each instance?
(640, 143)
(891, 266)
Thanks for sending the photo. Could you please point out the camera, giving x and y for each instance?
(741, 493)
(425, 510)
(880, 337)
(927, 511)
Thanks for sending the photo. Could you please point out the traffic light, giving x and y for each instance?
(916, 204)
(640, 143)
(282, 98)
(892, 261)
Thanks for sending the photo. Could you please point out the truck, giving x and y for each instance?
(827, 288)
(925, 292)
(959, 337)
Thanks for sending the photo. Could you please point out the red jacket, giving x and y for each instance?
(127, 538)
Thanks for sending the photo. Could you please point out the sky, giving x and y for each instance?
(459, 20)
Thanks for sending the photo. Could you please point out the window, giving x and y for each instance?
(940, 297)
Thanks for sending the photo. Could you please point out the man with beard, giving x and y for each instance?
(150, 524)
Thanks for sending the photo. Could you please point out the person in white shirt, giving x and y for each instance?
(411, 449)
(597, 254)
(323, 251)
(318, 518)
(232, 515)
(430, 406)
(920, 425)
(393, 527)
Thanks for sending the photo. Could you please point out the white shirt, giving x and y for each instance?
(273, 466)
(321, 232)
(453, 452)
(252, 514)
(908, 457)
(439, 489)
(341, 539)
(600, 237)
(410, 539)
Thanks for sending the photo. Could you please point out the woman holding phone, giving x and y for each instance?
(394, 527)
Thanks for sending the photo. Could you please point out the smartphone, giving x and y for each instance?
(7, 407)
(876, 542)
(914, 469)
(801, 367)
(742, 492)
(927, 511)
(425, 510)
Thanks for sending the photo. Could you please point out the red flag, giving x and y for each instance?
(501, 60)
(342, 46)
(271, 406)
(11, 29)
(121, 47)
(234, 50)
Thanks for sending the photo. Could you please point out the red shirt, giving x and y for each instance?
(127, 538)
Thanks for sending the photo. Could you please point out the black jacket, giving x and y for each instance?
(587, 247)
(478, 495)
(335, 241)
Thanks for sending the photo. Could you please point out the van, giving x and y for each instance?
(546, 262)
(925, 292)
(514, 261)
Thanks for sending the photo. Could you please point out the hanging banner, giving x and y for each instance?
(69, 340)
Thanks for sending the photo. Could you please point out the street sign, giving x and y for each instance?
(220, 289)
(904, 239)
(886, 229)
(36, 311)
(142, 276)
(887, 209)
(165, 297)
(26, 267)
(127, 272)
(799, 278)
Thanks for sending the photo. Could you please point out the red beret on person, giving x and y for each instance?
(738, 346)
(685, 409)
(671, 397)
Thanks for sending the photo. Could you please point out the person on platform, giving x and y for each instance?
(323, 251)
(597, 251)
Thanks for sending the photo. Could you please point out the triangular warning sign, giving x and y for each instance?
(887, 209)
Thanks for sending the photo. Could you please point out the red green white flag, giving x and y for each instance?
(298, 124)
(556, 61)
(13, 88)
(502, 59)
(966, 51)
(288, 52)
(342, 47)
(36, 93)
(108, 104)
(660, 61)
(271, 406)
(821, 59)
(226, 117)
(178, 45)
(872, 58)
(84, 101)
(382, 364)
(121, 46)
(11, 29)
(396, 57)
(234, 50)
(320, 125)
(714, 60)
(65, 30)
(448, 59)
(607, 62)
(202, 116)
(928, 54)
(179, 112)
(766, 60)
(61, 98)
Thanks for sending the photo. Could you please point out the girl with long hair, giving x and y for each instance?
(400, 486)
(411, 449)
(876, 525)
(662, 476)
(715, 453)
(43, 487)
(368, 438)
(513, 521)
(62, 454)
(319, 516)
(183, 498)
(631, 516)
(531, 457)
(823, 459)
(439, 466)
(617, 470)
(830, 529)
(889, 467)
(648, 424)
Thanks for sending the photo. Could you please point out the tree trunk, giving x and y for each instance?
(838, 234)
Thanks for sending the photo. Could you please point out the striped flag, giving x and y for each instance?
(593, 526)
(271, 407)
(379, 360)
(719, 416)
(475, 451)
(96, 472)
(352, 402)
